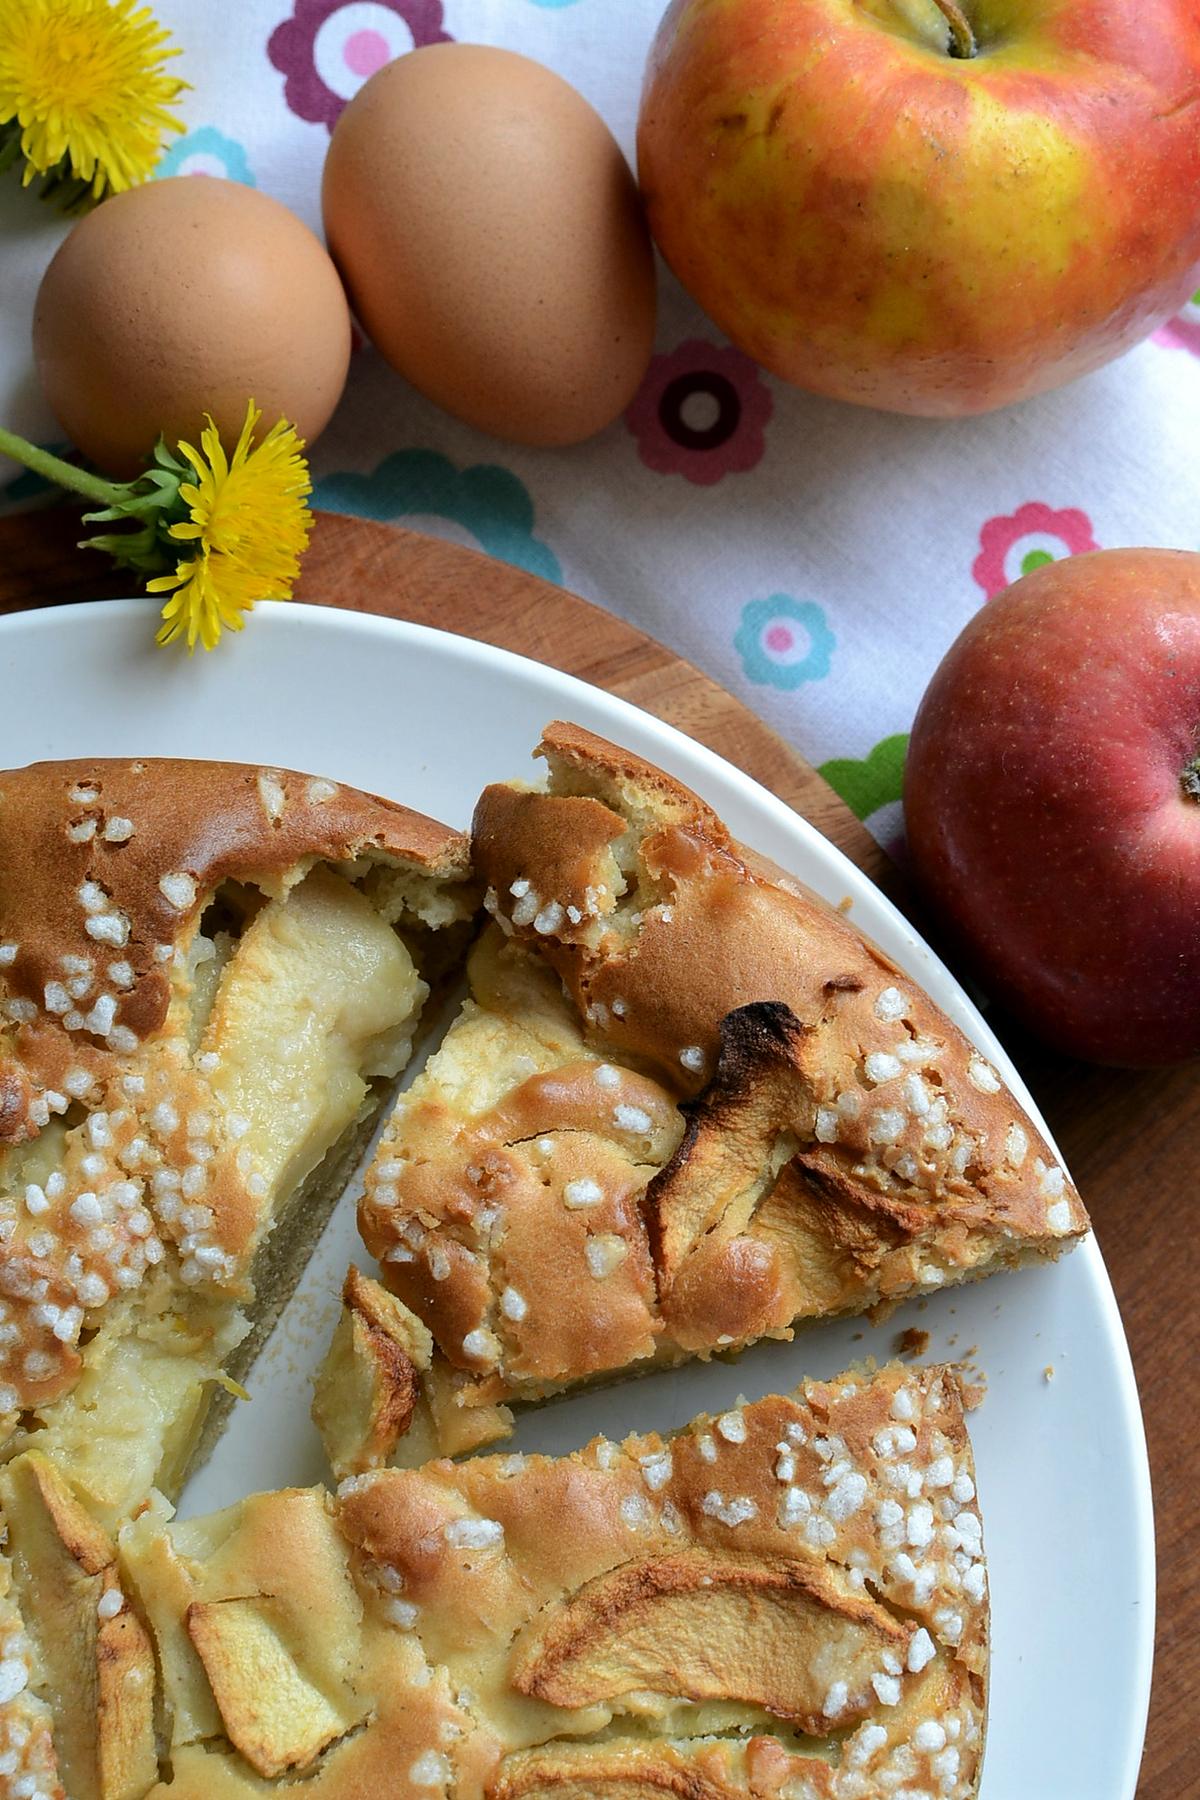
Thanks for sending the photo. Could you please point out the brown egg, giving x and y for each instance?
(491, 238)
(188, 296)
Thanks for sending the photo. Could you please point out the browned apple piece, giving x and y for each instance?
(384, 1393)
(368, 1386)
(273, 1711)
(545, 1775)
(704, 1625)
(94, 1666)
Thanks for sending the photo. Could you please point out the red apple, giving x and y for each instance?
(1052, 799)
(931, 206)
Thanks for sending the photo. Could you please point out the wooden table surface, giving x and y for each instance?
(1132, 1140)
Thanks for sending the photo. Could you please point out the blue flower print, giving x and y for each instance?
(485, 500)
(207, 151)
(784, 642)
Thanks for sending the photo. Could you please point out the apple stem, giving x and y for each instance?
(962, 38)
(1189, 781)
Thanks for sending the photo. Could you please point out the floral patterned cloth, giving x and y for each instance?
(815, 558)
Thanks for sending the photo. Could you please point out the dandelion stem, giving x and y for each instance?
(63, 474)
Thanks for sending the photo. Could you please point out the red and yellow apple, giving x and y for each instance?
(929, 206)
(1052, 802)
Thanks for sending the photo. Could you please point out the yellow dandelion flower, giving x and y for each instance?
(83, 93)
(248, 523)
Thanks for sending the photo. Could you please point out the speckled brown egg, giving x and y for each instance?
(183, 297)
(492, 241)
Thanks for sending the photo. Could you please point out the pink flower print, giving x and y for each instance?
(1013, 544)
(328, 48)
(700, 413)
(1183, 331)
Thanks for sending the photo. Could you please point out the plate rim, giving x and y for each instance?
(340, 621)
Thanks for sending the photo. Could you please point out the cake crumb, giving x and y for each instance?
(913, 1342)
(1048, 1372)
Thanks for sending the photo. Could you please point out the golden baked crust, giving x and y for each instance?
(130, 827)
(786, 1600)
(537, 1200)
(207, 972)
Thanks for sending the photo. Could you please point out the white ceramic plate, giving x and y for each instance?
(428, 719)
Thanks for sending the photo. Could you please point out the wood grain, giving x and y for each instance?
(1130, 1139)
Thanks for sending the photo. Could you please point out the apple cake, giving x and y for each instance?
(209, 976)
(786, 1602)
(686, 1105)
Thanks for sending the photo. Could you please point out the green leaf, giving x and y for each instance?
(141, 550)
(153, 501)
(875, 781)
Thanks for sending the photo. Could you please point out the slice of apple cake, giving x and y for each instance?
(209, 976)
(786, 1602)
(686, 1106)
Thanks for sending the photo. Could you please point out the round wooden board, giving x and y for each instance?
(1130, 1138)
